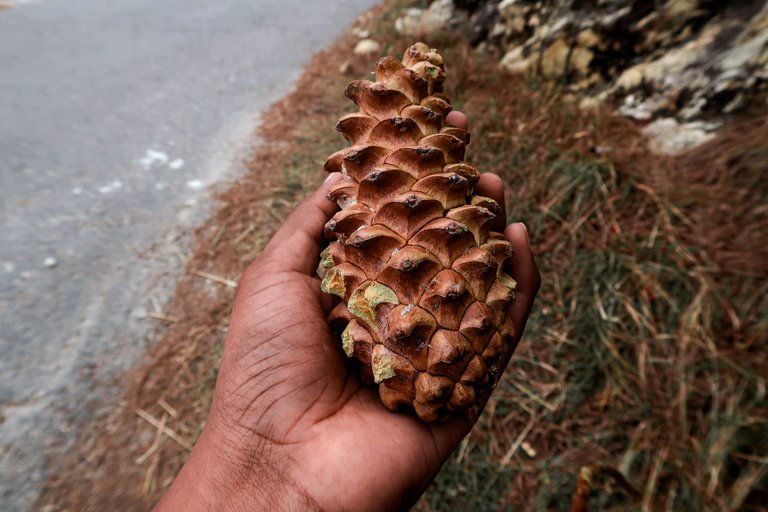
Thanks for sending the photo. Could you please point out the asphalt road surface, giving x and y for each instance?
(116, 118)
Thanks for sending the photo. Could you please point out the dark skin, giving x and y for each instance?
(291, 427)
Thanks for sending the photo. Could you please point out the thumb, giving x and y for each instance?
(296, 245)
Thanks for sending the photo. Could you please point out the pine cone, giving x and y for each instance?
(424, 294)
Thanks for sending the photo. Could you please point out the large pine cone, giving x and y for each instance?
(424, 295)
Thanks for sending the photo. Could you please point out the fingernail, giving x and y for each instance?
(333, 177)
(525, 228)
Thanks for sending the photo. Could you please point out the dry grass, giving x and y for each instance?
(643, 363)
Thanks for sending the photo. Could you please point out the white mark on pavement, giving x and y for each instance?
(50, 262)
(9, 267)
(77, 191)
(107, 189)
(195, 184)
(153, 157)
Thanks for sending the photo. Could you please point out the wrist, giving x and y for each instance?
(221, 476)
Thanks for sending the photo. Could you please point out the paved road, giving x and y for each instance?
(115, 118)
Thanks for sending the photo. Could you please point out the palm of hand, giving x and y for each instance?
(289, 385)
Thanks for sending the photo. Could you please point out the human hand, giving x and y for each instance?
(291, 426)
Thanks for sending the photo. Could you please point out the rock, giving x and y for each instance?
(680, 8)
(554, 59)
(684, 60)
(632, 107)
(515, 61)
(366, 47)
(669, 137)
(683, 73)
(591, 102)
(631, 78)
(409, 22)
(588, 38)
(439, 16)
(514, 15)
(505, 5)
(482, 23)
(580, 59)
(497, 31)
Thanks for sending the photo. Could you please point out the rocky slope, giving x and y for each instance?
(682, 67)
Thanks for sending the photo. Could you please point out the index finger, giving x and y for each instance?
(457, 119)
(524, 270)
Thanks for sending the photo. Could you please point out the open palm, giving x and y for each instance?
(290, 419)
